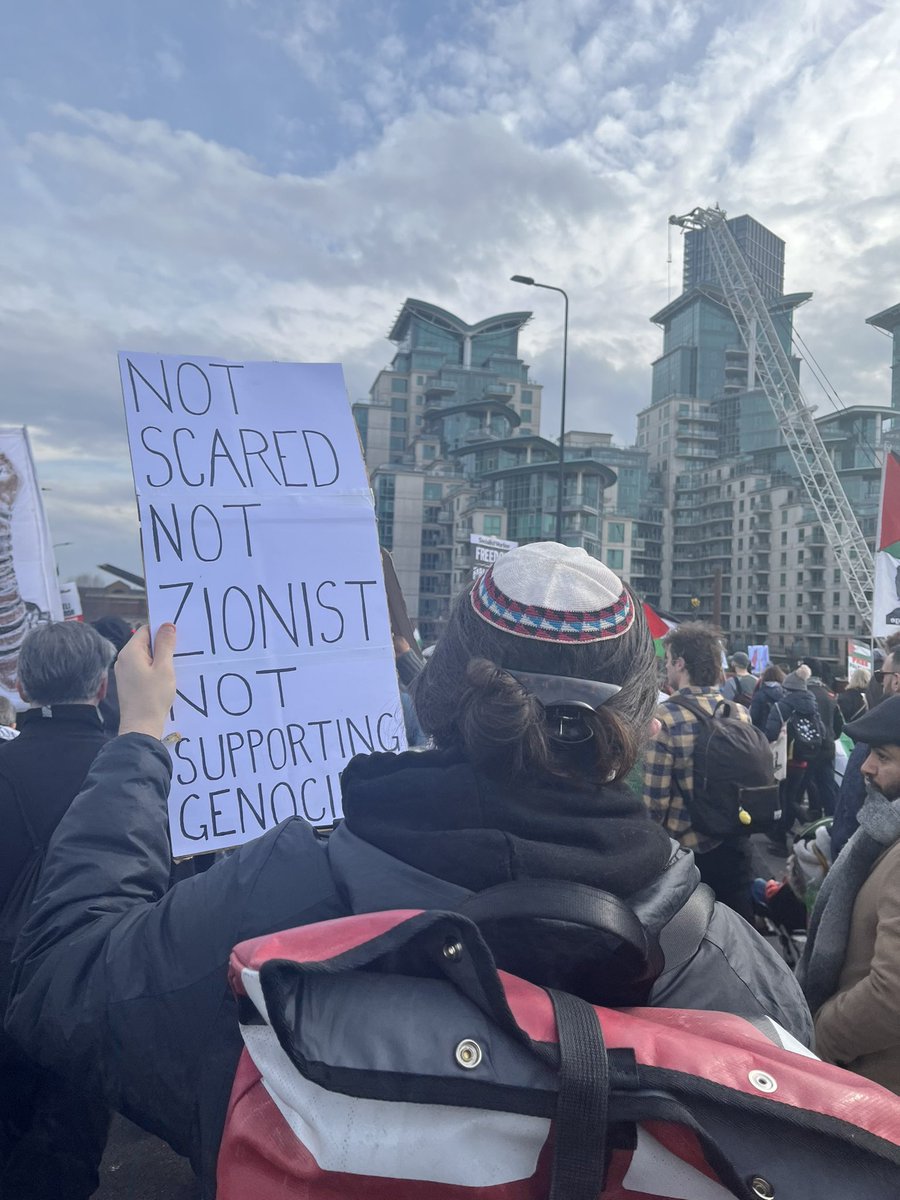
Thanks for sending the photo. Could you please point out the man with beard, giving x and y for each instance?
(850, 971)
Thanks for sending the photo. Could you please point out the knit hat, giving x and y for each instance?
(553, 593)
(796, 681)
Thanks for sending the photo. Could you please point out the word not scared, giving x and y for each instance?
(245, 457)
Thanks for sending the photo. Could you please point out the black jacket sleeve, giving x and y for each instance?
(122, 986)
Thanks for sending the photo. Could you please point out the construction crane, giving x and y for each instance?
(767, 357)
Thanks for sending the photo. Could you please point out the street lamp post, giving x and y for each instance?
(526, 279)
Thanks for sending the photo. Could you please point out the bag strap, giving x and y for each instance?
(689, 704)
(559, 900)
(725, 706)
(582, 1104)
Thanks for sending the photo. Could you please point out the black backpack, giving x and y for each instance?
(734, 781)
(806, 732)
(741, 695)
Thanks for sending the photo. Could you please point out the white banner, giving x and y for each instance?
(259, 541)
(29, 593)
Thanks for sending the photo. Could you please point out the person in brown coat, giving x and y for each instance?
(850, 971)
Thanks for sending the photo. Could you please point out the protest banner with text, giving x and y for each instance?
(259, 542)
(29, 592)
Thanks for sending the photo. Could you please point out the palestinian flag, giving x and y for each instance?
(659, 626)
(886, 598)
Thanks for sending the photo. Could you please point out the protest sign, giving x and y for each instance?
(759, 658)
(29, 593)
(70, 598)
(487, 550)
(259, 541)
(859, 657)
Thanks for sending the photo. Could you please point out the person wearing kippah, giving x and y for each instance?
(537, 699)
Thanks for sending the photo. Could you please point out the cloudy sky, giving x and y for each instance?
(271, 178)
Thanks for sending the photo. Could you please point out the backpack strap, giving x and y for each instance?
(687, 702)
(582, 1104)
(559, 900)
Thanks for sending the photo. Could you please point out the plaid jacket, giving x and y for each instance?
(669, 765)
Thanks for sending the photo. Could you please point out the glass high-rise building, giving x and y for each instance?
(762, 249)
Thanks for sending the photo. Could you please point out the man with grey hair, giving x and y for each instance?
(51, 1138)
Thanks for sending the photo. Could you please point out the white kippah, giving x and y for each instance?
(554, 593)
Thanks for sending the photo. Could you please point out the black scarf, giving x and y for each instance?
(434, 811)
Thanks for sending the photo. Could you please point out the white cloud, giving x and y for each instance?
(552, 140)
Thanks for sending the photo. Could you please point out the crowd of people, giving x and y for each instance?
(550, 755)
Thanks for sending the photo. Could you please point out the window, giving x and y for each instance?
(398, 424)
(801, 534)
(799, 621)
(784, 560)
(784, 516)
(781, 600)
(615, 559)
(782, 579)
(836, 621)
(615, 532)
(420, 379)
(799, 556)
(398, 442)
(781, 624)
(837, 575)
(527, 397)
(741, 506)
(433, 492)
(741, 523)
(493, 526)
(526, 414)
(399, 385)
(836, 599)
(851, 621)
(784, 537)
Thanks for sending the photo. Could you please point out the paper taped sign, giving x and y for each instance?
(259, 541)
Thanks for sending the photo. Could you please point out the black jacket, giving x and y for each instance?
(763, 699)
(831, 715)
(44, 767)
(124, 985)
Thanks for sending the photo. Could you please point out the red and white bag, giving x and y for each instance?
(387, 1057)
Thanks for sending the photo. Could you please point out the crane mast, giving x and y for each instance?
(794, 417)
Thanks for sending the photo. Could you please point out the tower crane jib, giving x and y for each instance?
(776, 377)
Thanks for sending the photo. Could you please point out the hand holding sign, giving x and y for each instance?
(259, 539)
(146, 681)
